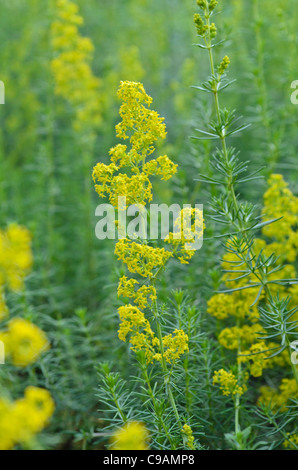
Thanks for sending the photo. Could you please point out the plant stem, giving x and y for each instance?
(161, 422)
(164, 364)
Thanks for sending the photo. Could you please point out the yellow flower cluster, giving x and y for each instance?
(139, 124)
(175, 345)
(133, 320)
(188, 228)
(279, 201)
(132, 436)
(292, 443)
(23, 341)
(141, 259)
(142, 338)
(22, 419)
(223, 65)
(71, 67)
(228, 383)
(279, 399)
(140, 296)
(187, 431)
(15, 256)
(234, 337)
(143, 127)
(245, 338)
(237, 304)
(204, 28)
(257, 357)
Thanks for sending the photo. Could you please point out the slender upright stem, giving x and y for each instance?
(164, 364)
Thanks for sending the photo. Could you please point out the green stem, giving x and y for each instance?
(161, 422)
(164, 364)
(237, 398)
(123, 416)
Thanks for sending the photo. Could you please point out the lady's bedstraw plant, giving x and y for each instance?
(76, 83)
(71, 66)
(261, 314)
(129, 175)
(22, 419)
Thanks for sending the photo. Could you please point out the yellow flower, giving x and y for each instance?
(162, 166)
(189, 227)
(232, 338)
(279, 201)
(141, 259)
(22, 419)
(41, 405)
(255, 357)
(187, 431)
(228, 383)
(24, 342)
(15, 256)
(132, 436)
(175, 346)
(143, 127)
(292, 442)
(8, 425)
(279, 399)
(134, 324)
(140, 296)
(71, 67)
(3, 306)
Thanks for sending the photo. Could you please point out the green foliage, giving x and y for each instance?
(98, 384)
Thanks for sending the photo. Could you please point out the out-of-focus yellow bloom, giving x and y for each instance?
(132, 436)
(279, 201)
(24, 342)
(257, 358)
(237, 304)
(232, 338)
(71, 67)
(22, 419)
(3, 306)
(292, 443)
(15, 256)
(279, 399)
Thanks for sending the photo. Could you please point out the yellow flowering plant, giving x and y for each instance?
(23, 343)
(129, 176)
(71, 66)
(258, 273)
